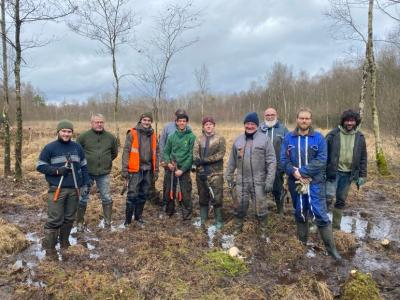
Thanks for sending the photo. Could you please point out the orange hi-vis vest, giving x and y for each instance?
(134, 159)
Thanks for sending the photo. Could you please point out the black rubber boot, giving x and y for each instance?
(129, 213)
(302, 232)
(327, 237)
(65, 231)
(138, 213)
(80, 214)
(107, 213)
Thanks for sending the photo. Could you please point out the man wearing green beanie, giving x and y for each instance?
(56, 161)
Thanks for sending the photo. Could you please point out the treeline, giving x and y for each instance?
(327, 93)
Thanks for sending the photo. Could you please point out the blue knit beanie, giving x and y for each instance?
(251, 117)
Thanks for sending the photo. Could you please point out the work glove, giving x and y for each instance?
(268, 188)
(155, 177)
(198, 162)
(231, 184)
(203, 177)
(124, 175)
(63, 171)
(360, 181)
(84, 190)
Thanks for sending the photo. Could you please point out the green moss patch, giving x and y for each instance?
(360, 286)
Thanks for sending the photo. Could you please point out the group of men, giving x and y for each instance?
(317, 169)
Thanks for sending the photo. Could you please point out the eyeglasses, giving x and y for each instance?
(270, 115)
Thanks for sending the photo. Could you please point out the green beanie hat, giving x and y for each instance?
(65, 124)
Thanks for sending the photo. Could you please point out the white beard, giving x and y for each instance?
(271, 123)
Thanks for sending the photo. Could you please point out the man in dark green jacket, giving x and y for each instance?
(178, 158)
(101, 148)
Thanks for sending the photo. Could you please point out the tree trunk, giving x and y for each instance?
(363, 86)
(116, 101)
(380, 157)
(6, 119)
(17, 75)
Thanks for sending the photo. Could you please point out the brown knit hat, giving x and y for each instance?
(208, 119)
(146, 115)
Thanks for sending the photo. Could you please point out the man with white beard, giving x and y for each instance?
(276, 132)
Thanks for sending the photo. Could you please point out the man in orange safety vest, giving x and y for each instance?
(139, 166)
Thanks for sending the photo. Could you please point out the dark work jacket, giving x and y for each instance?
(359, 163)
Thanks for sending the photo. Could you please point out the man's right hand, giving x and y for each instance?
(63, 171)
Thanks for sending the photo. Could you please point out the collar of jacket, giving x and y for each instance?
(311, 132)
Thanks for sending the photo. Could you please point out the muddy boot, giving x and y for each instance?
(129, 213)
(327, 237)
(302, 232)
(65, 231)
(107, 212)
(50, 239)
(279, 205)
(218, 218)
(138, 214)
(238, 226)
(80, 214)
(203, 216)
(263, 228)
(336, 218)
(329, 202)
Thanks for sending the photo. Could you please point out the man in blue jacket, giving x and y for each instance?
(276, 132)
(303, 157)
(56, 161)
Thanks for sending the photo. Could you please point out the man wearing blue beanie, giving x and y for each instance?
(253, 158)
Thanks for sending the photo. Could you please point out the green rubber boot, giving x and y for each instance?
(203, 216)
(65, 231)
(80, 215)
(107, 212)
(327, 237)
(238, 226)
(218, 218)
(302, 232)
(50, 239)
(336, 218)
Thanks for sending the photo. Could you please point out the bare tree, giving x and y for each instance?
(202, 79)
(109, 22)
(341, 14)
(6, 104)
(24, 12)
(172, 23)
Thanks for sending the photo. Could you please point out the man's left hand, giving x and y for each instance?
(178, 173)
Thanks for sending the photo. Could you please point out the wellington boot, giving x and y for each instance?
(263, 228)
(107, 212)
(138, 214)
(219, 223)
(302, 232)
(238, 226)
(65, 231)
(50, 239)
(279, 205)
(203, 216)
(336, 218)
(80, 214)
(129, 213)
(327, 237)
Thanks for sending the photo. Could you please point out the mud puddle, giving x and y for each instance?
(214, 236)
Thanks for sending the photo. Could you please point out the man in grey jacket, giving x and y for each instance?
(253, 158)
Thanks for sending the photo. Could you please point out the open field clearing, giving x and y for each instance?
(171, 259)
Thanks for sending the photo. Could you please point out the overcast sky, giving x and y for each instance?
(239, 40)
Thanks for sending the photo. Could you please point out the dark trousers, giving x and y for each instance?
(185, 183)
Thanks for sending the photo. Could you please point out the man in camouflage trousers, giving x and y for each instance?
(253, 158)
(208, 155)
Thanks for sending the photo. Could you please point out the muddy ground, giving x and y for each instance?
(171, 259)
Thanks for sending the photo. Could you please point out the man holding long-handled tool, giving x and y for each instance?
(208, 155)
(178, 158)
(64, 164)
(139, 166)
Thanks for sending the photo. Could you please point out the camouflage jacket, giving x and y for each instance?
(213, 157)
